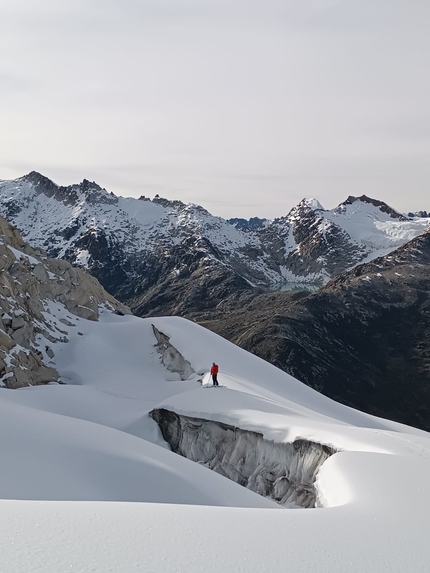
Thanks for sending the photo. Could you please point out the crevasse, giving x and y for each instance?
(284, 472)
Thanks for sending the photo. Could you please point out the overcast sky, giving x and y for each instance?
(242, 106)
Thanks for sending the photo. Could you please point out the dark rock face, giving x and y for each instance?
(324, 246)
(67, 195)
(106, 257)
(41, 182)
(200, 290)
(363, 339)
(283, 472)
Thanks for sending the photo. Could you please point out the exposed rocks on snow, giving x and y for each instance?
(284, 472)
(172, 358)
(29, 283)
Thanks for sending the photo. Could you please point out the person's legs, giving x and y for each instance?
(215, 380)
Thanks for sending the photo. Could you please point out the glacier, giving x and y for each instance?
(284, 472)
(90, 483)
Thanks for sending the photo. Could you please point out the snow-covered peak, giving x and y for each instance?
(312, 203)
(130, 244)
(358, 202)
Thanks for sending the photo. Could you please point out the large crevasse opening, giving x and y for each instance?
(284, 472)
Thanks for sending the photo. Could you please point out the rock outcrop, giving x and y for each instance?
(30, 283)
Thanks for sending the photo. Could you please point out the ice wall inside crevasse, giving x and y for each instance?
(284, 472)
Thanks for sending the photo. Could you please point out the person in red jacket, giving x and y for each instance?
(214, 373)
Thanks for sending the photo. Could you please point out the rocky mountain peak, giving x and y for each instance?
(176, 204)
(39, 180)
(312, 203)
(93, 193)
(376, 203)
(71, 194)
(88, 187)
(306, 208)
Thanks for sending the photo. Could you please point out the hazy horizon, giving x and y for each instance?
(173, 198)
(240, 106)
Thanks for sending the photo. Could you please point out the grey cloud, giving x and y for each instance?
(415, 128)
(15, 82)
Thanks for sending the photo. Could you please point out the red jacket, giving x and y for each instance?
(214, 369)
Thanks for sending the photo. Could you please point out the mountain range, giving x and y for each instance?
(361, 338)
(166, 257)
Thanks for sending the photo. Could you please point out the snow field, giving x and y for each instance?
(77, 459)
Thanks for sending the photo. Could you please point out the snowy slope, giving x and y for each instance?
(80, 446)
(373, 228)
